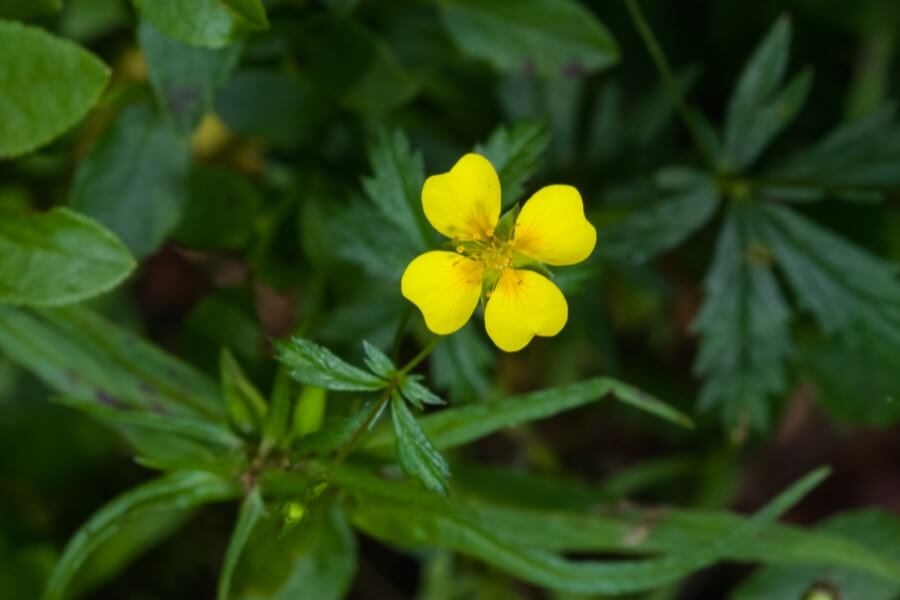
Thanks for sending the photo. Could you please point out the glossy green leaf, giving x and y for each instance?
(760, 107)
(743, 326)
(252, 510)
(516, 153)
(82, 355)
(58, 257)
(549, 37)
(181, 490)
(460, 425)
(49, 84)
(316, 559)
(408, 520)
(649, 231)
(135, 180)
(418, 456)
(208, 23)
(316, 365)
(378, 362)
(185, 79)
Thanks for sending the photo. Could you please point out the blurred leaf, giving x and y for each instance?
(310, 411)
(316, 365)
(221, 209)
(410, 520)
(185, 79)
(354, 65)
(461, 425)
(418, 456)
(460, 365)
(549, 37)
(252, 11)
(649, 231)
(877, 530)
(760, 107)
(395, 187)
(226, 318)
(58, 257)
(378, 362)
(317, 559)
(16, 9)
(278, 425)
(515, 153)
(245, 405)
(743, 327)
(181, 490)
(382, 251)
(335, 433)
(196, 22)
(86, 20)
(49, 84)
(81, 355)
(252, 510)
(859, 155)
(284, 108)
(134, 181)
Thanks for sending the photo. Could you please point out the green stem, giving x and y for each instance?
(421, 356)
(665, 73)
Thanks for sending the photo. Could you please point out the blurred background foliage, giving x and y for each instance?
(263, 167)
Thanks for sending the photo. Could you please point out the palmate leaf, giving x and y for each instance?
(743, 326)
(418, 456)
(396, 515)
(760, 106)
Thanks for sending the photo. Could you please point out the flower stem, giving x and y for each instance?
(665, 73)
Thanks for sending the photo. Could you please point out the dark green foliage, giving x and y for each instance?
(418, 456)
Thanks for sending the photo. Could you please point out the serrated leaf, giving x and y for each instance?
(395, 188)
(378, 362)
(313, 364)
(58, 257)
(135, 179)
(196, 22)
(743, 326)
(418, 394)
(252, 510)
(412, 521)
(418, 456)
(649, 231)
(181, 490)
(49, 84)
(185, 79)
(244, 404)
(515, 153)
(461, 425)
(759, 107)
(549, 37)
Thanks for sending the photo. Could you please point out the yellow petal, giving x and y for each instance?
(445, 286)
(552, 227)
(524, 304)
(464, 203)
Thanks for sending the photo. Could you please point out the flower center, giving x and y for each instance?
(493, 253)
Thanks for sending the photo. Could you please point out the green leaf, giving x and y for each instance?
(49, 84)
(316, 365)
(461, 425)
(134, 181)
(221, 209)
(876, 529)
(743, 326)
(180, 490)
(316, 559)
(549, 37)
(760, 108)
(185, 79)
(417, 393)
(395, 188)
(81, 355)
(515, 153)
(310, 411)
(58, 257)
(244, 404)
(252, 11)
(252, 510)
(650, 231)
(860, 155)
(206, 23)
(460, 365)
(378, 362)
(409, 520)
(16, 9)
(418, 456)
(278, 426)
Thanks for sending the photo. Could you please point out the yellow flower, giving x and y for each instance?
(464, 205)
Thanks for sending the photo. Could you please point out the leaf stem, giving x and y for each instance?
(665, 73)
